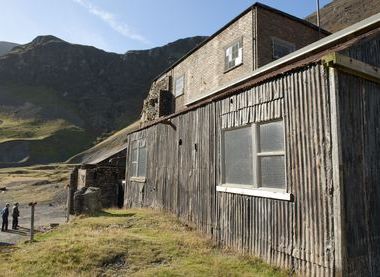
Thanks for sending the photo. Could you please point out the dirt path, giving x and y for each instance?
(44, 216)
(42, 184)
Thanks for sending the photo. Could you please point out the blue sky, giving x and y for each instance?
(122, 25)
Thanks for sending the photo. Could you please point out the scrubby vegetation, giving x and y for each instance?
(136, 242)
(28, 129)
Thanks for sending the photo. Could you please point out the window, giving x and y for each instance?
(179, 85)
(282, 48)
(270, 155)
(234, 55)
(138, 158)
(253, 156)
(238, 160)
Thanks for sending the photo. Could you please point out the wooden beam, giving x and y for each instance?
(279, 195)
(352, 66)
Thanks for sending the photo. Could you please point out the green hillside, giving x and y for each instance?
(58, 98)
(38, 126)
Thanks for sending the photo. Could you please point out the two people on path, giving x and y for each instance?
(5, 215)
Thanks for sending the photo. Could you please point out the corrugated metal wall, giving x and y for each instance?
(182, 178)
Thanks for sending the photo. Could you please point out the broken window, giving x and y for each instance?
(138, 158)
(234, 55)
(255, 156)
(281, 48)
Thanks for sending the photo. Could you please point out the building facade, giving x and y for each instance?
(256, 37)
(283, 164)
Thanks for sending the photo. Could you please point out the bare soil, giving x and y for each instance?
(45, 185)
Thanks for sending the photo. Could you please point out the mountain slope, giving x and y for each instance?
(72, 94)
(6, 46)
(340, 14)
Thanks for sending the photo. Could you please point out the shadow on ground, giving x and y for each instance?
(104, 213)
(21, 231)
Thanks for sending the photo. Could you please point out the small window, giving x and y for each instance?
(270, 155)
(138, 158)
(282, 48)
(179, 85)
(234, 55)
(255, 156)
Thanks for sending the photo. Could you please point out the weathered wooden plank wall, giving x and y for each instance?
(367, 50)
(360, 132)
(182, 178)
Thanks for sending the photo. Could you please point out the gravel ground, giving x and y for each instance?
(45, 214)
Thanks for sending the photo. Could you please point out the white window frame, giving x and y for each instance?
(230, 46)
(183, 86)
(284, 43)
(135, 175)
(255, 189)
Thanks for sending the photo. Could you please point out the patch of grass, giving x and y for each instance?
(60, 146)
(12, 128)
(34, 183)
(137, 242)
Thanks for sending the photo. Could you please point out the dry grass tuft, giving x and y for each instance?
(137, 242)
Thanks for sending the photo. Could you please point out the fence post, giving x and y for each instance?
(32, 205)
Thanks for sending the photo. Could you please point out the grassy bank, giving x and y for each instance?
(124, 243)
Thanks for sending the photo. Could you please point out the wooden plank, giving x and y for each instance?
(336, 163)
(353, 66)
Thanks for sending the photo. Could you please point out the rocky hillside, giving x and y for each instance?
(340, 14)
(6, 46)
(57, 97)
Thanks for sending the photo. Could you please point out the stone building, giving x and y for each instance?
(106, 173)
(256, 37)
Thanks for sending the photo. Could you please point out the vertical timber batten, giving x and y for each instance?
(336, 164)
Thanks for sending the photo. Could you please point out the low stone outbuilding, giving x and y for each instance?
(106, 174)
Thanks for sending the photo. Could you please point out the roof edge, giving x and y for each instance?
(307, 55)
(318, 46)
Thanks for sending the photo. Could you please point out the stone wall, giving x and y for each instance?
(107, 176)
(151, 104)
(275, 25)
(204, 69)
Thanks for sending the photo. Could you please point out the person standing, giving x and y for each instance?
(15, 215)
(4, 215)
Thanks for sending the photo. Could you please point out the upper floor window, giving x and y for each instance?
(281, 48)
(234, 55)
(179, 85)
(138, 158)
(253, 156)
